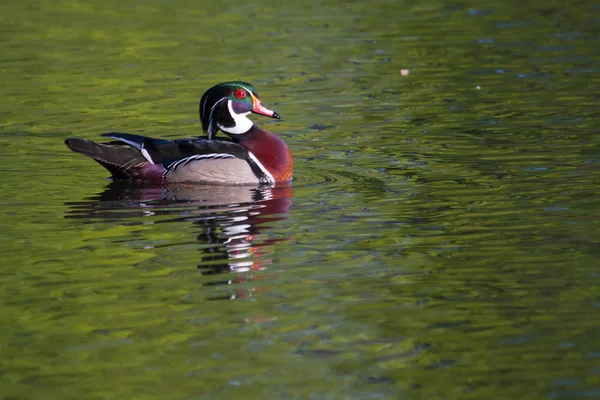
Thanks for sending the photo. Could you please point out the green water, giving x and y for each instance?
(440, 240)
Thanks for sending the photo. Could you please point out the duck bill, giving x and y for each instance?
(258, 108)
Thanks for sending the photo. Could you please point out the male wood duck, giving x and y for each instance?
(251, 155)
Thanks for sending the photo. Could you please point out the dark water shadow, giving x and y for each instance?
(230, 221)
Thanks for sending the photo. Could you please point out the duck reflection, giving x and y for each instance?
(231, 220)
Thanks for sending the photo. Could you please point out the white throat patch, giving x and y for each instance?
(241, 121)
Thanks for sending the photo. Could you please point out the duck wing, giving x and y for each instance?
(181, 160)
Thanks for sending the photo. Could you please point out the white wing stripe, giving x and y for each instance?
(137, 145)
(184, 161)
(146, 154)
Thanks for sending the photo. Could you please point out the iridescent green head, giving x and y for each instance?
(226, 106)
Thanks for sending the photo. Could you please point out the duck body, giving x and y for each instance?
(250, 155)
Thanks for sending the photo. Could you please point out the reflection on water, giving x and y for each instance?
(230, 220)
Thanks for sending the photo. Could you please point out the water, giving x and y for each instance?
(439, 241)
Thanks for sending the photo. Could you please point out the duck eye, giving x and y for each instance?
(240, 94)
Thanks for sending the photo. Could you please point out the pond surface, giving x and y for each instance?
(440, 240)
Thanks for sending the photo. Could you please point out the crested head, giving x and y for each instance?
(226, 106)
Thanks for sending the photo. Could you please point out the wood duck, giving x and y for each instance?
(251, 155)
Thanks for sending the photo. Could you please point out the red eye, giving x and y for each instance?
(240, 94)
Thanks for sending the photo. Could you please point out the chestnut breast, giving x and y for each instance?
(270, 150)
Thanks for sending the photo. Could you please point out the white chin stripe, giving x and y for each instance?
(241, 121)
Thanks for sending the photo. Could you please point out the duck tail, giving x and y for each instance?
(121, 160)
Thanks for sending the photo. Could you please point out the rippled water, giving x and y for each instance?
(439, 241)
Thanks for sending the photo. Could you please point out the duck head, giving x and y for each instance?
(226, 106)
